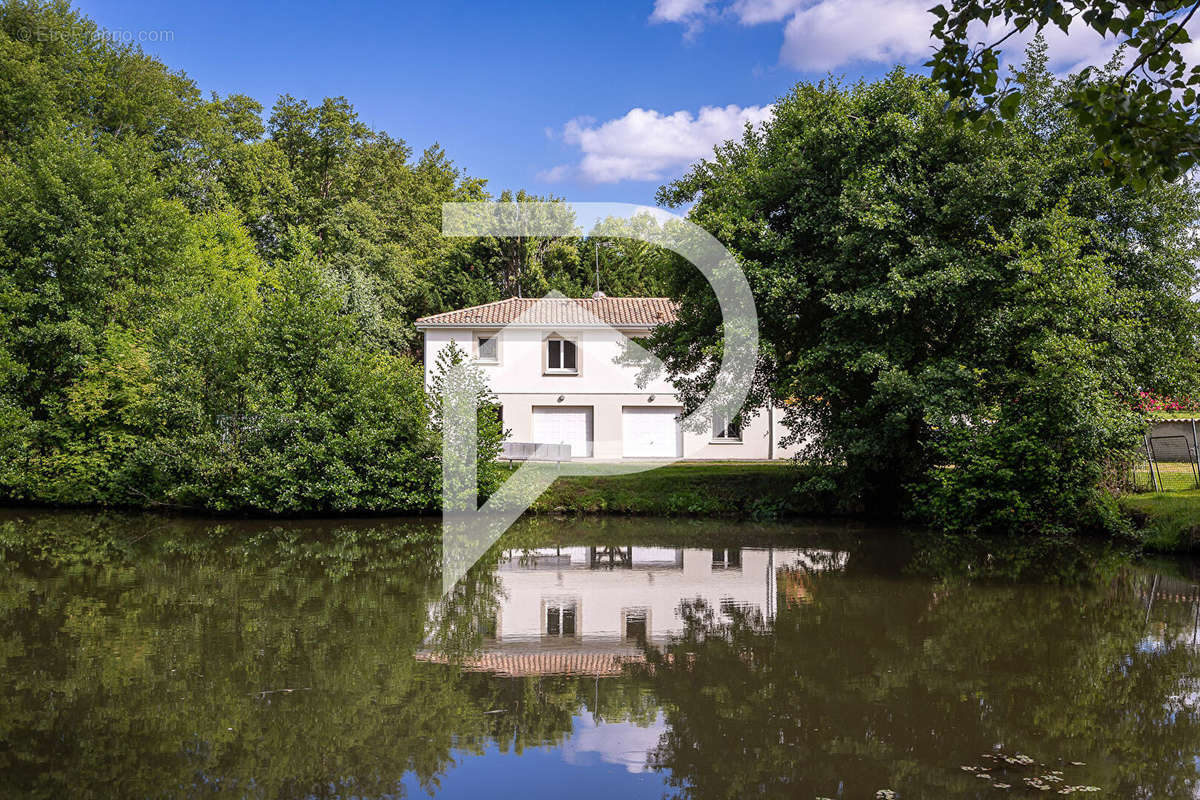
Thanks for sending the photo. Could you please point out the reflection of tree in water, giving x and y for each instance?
(882, 683)
(142, 658)
(539, 711)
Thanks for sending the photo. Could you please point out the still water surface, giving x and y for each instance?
(146, 657)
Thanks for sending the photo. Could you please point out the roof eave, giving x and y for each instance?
(421, 326)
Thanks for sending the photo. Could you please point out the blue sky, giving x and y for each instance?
(597, 101)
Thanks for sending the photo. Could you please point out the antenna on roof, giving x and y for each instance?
(600, 244)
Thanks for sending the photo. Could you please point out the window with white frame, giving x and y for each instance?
(488, 349)
(726, 428)
(561, 356)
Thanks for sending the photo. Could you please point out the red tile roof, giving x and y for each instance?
(615, 311)
(515, 665)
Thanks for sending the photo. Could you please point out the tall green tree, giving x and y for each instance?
(1142, 115)
(628, 266)
(200, 308)
(529, 264)
(901, 266)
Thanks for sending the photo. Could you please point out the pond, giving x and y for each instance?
(145, 657)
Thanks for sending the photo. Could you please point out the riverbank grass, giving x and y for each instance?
(742, 489)
(1169, 521)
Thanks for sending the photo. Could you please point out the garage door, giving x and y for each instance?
(650, 432)
(564, 425)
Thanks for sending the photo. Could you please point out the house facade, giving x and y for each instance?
(554, 364)
(589, 610)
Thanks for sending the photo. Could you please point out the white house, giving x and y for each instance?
(552, 362)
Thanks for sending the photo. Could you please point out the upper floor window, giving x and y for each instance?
(488, 349)
(727, 558)
(726, 428)
(562, 618)
(561, 355)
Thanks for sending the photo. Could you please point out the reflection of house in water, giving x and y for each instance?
(584, 610)
(1172, 611)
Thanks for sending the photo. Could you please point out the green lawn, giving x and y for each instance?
(745, 490)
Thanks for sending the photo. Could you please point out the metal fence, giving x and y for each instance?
(1170, 465)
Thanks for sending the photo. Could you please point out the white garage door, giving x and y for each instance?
(564, 425)
(650, 432)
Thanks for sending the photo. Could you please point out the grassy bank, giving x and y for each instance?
(743, 490)
(1169, 521)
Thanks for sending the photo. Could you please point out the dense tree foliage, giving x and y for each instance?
(205, 304)
(957, 320)
(1142, 115)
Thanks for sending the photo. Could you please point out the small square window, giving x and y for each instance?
(488, 351)
(561, 356)
(726, 429)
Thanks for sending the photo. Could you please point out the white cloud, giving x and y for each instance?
(678, 10)
(647, 145)
(555, 174)
(823, 35)
(833, 32)
(756, 12)
(692, 14)
(624, 744)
